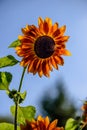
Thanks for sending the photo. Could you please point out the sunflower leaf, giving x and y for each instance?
(7, 126)
(22, 96)
(8, 61)
(24, 113)
(71, 124)
(5, 79)
(14, 44)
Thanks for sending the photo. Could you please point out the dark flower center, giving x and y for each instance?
(44, 46)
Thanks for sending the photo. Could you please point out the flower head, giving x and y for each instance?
(41, 124)
(42, 47)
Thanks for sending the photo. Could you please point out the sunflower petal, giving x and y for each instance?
(40, 70)
(34, 66)
(59, 60)
(54, 63)
(30, 67)
(45, 27)
(28, 27)
(20, 37)
(40, 118)
(47, 121)
(65, 38)
(50, 65)
(61, 39)
(65, 52)
(46, 68)
(37, 65)
(49, 22)
(24, 31)
(40, 21)
(22, 63)
(40, 73)
(62, 29)
(53, 124)
(55, 27)
(56, 33)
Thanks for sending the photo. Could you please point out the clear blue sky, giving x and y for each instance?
(15, 14)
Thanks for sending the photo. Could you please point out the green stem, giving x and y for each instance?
(17, 102)
(15, 119)
(20, 85)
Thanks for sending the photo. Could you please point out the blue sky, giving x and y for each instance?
(14, 15)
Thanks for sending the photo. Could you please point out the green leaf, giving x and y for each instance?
(8, 61)
(15, 44)
(15, 95)
(7, 126)
(71, 124)
(5, 79)
(12, 94)
(24, 113)
(22, 96)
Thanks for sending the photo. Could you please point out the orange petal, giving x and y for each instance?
(61, 38)
(62, 29)
(50, 65)
(40, 71)
(17, 48)
(65, 52)
(65, 38)
(59, 60)
(56, 33)
(30, 67)
(45, 27)
(22, 63)
(40, 24)
(47, 121)
(54, 63)
(20, 37)
(34, 66)
(28, 27)
(40, 118)
(40, 21)
(24, 31)
(49, 22)
(55, 27)
(53, 125)
(46, 68)
(37, 65)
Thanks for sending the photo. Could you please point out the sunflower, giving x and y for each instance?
(42, 47)
(41, 124)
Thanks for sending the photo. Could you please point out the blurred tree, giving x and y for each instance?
(61, 107)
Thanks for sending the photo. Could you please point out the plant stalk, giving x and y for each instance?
(17, 101)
